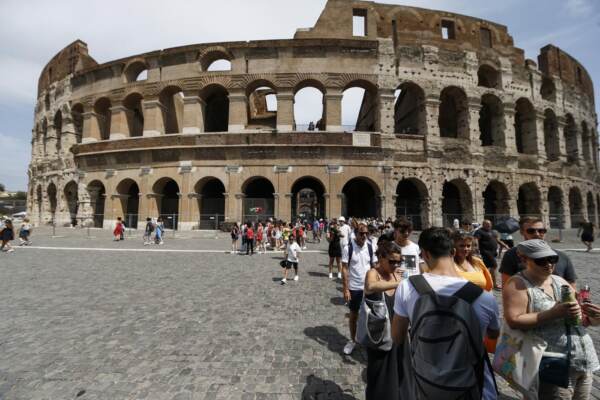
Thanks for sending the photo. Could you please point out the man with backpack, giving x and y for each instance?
(449, 318)
(357, 259)
(148, 231)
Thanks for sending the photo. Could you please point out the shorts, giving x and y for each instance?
(356, 297)
(489, 260)
(290, 264)
(587, 237)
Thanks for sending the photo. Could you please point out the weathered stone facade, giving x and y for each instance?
(455, 123)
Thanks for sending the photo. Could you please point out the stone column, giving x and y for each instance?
(386, 111)
(327, 212)
(564, 204)
(540, 143)
(285, 111)
(333, 111)
(194, 200)
(51, 139)
(186, 204)
(474, 105)
(193, 113)
(239, 207)
(432, 136)
(285, 207)
(154, 121)
(228, 202)
(119, 129)
(509, 128)
(152, 200)
(339, 208)
(91, 132)
(68, 137)
(238, 111)
(276, 201)
(562, 143)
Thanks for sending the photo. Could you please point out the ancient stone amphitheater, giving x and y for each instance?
(454, 123)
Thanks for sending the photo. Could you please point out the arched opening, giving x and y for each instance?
(309, 109)
(491, 121)
(548, 90)
(454, 113)
(77, 115)
(166, 191)
(211, 202)
(102, 111)
(495, 201)
(411, 202)
(259, 201)
(72, 200)
(488, 76)
(97, 194)
(359, 107)
(44, 135)
(586, 142)
(410, 116)
(219, 65)
(40, 200)
(457, 202)
(551, 135)
(52, 200)
(262, 105)
(591, 208)
(308, 200)
(555, 207)
(571, 139)
(361, 199)
(525, 127)
(129, 194)
(529, 200)
(58, 122)
(575, 207)
(135, 114)
(171, 99)
(216, 109)
(136, 71)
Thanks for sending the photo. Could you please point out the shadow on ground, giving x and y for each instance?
(317, 388)
(331, 337)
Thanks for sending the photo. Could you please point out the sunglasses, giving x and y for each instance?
(396, 263)
(362, 233)
(531, 231)
(542, 262)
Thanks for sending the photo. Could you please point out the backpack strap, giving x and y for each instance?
(469, 292)
(421, 285)
(350, 249)
(370, 247)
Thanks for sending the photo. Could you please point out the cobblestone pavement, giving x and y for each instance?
(147, 324)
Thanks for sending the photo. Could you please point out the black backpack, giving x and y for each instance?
(447, 351)
(351, 250)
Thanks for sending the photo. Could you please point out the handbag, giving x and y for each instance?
(283, 263)
(374, 329)
(554, 369)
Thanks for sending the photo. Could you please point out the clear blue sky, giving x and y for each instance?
(33, 31)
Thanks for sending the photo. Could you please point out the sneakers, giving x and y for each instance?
(330, 275)
(296, 278)
(339, 275)
(349, 347)
(283, 281)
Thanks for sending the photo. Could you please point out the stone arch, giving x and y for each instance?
(361, 198)
(412, 202)
(571, 134)
(453, 117)
(71, 197)
(51, 192)
(210, 192)
(525, 127)
(576, 207)
(134, 70)
(211, 55)
(97, 193)
(457, 201)
(216, 108)
(556, 210)
(551, 135)
(591, 208)
(58, 126)
(365, 114)
(171, 99)
(103, 116)
(491, 121)
(529, 200)
(135, 114)
(548, 89)
(410, 114)
(496, 201)
(587, 143)
(308, 198)
(307, 94)
(488, 76)
(128, 192)
(77, 116)
(166, 193)
(259, 199)
(261, 95)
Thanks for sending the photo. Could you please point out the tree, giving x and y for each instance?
(2, 188)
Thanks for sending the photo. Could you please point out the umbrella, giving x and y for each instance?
(507, 225)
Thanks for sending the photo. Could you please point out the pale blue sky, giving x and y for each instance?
(33, 31)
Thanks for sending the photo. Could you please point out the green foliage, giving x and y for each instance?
(2, 188)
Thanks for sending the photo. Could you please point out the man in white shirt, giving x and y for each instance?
(345, 232)
(357, 260)
(411, 261)
(293, 258)
(436, 248)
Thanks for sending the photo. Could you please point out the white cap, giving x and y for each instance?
(342, 219)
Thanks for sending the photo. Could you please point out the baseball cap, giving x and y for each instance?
(535, 248)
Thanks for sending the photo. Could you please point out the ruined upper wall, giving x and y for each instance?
(72, 58)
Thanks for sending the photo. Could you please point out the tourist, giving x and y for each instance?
(249, 239)
(357, 260)
(316, 234)
(334, 250)
(443, 279)
(587, 232)
(235, 237)
(532, 301)
(24, 233)
(148, 231)
(488, 242)
(285, 235)
(6, 235)
(118, 231)
(456, 224)
(244, 229)
(345, 232)
(260, 239)
(534, 228)
(292, 259)
(468, 266)
(411, 262)
(384, 370)
(277, 235)
(159, 231)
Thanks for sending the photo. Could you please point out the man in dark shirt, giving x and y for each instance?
(487, 241)
(533, 228)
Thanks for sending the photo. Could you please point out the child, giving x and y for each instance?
(292, 259)
(24, 233)
(118, 230)
(148, 231)
(6, 235)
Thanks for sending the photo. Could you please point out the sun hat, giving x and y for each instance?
(535, 248)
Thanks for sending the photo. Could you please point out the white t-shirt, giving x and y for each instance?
(292, 252)
(411, 259)
(359, 265)
(485, 307)
(346, 231)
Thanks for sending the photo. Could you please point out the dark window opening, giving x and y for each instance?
(448, 31)
(486, 37)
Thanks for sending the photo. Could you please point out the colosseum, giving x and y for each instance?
(454, 122)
